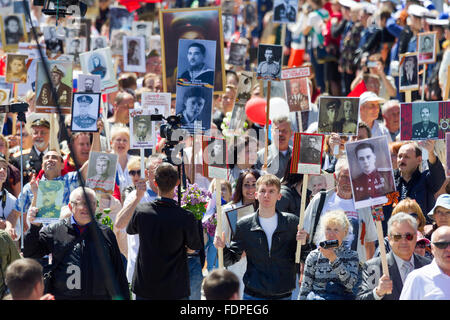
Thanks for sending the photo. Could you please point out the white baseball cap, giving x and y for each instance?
(347, 3)
(417, 11)
(369, 96)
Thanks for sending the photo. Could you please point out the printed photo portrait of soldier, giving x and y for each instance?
(16, 68)
(61, 78)
(370, 169)
(98, 42)
(227, 7)
(408, 72)
(54, 45)
(134, 54)
(88, 83)
(425, 121)
(228, 26)
(142, 131)
(13, 31)
(75, 46)
(245, 85)
(238, 53)
(143, 29)
(329, 110)
(85, 112)
(195, 106)
(426, 45)
(196, 62)
(307, 153)
(250, 14)
(269, 62)
(101, 172)
(100, 62)
(214, 157)
(349, 115)
(297, 94)
(238, 118)
(285, 11)
(196, 24)
(49, 200)
(116, 42)
(120, 19)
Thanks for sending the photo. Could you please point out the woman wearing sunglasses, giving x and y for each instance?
(134, 173)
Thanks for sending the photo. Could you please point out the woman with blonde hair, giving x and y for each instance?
(120, 144)
(331, 273)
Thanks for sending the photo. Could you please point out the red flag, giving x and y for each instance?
(133, 5)
(358, 90)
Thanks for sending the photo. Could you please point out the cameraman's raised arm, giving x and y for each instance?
(124, 215)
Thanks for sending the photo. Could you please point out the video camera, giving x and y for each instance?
(61, 7)
(17, 107)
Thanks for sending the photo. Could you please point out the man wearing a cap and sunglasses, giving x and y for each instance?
(432, 282)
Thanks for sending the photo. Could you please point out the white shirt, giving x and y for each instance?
(426, 283)
(133, 240)
(124, 177)
(379, 130)
(269, 225)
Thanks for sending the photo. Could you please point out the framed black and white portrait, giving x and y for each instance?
(238, 53)
(285, 11)
(245, 86)
(297, 94)
(269, 62)
(142, 129)
(134, 54)
(100, 62)
(370, 168)
(116, 41)
(307, 153)
(101, 174)
(74, 47)
(53, 42)
(427, 47)
(85, 112)
(228, 26)
(338, 115)
(408, 72)
(143, 29)
(195, 106)
(425, 121)
(250, 14)
(196, 62)
(98, 42)
(214, 158)
(120, 19)
(13, 31)
(89, 83)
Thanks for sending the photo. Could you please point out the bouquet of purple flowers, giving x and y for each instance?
(194, 199)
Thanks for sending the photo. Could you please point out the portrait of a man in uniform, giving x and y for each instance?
(64, 92)
(53, 44)
(328, 115)
(101, 172)
(98, 42)
(142, 126)
(237, 54)
(193, 65)
(371, 182)
(348, 123)
(425, 129)
(49, 199)
(408, 72)
(426, 47)
(84, 109)
(284, 11)
(194, 104)
(297, 95)
(269, 62)
(310, 149)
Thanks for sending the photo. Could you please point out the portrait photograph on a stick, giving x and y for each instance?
(427, 47)
(215, 164)
(245, 86)
(298, 95)
(75, 46)
(285, 11)
(228, 26)
(200, 23)
(53, 42)
(89, 83)
(307, 153)
(101, 174)
(250, 14)
(134, 54)
(233, 215)
(61, 78)
(100, 62)
(238, 54)
(157, 102)
(339, 115)
(195, 106)
(424, 120)
(142, 129)
(85, 112)
(49, 200)
(16, 68)
(196, 62)
(98, 42)
(143, 29)
(13, 31)
(408, 72)
(370, 167)
(269, 62)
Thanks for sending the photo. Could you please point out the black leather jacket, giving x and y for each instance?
(271, 274)
(79, 273)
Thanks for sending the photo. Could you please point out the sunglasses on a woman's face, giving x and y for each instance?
(134, 172)
(408, 236)
(442, 245)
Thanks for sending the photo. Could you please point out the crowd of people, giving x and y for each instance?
(137, 243)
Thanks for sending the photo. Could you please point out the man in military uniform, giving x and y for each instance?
(309, 152)
(295, 99)
(371, 183)
(50, 190)
(63, 91)
(101, 178)
(142, 126)
(284, 12)
(330, 124)
(270, 68)
(198, 71)
(425, 129)
(84, 120)
(32, 158)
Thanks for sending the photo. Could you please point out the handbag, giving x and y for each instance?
(310, 246)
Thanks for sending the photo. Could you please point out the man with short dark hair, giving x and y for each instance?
(165, 230)
(198, 71)
(221, 284)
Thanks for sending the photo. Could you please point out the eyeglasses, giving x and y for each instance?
(398, 237)
(134, 172)
(421, 245)
(83, 204)
(442, 245)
